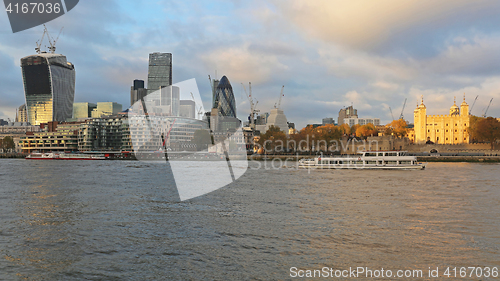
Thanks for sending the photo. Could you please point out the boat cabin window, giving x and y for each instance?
(370, 154)
(334, 162)
(371, 162)
(391, 162)
(391, 154)
(380, 154)
(405, 162)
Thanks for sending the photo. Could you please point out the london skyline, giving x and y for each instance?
(373, 56)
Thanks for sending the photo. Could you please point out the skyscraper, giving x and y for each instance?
(137, 91)
(224, 98)
(160, 71)
(49, 87)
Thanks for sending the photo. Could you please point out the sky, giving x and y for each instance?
(328, 54)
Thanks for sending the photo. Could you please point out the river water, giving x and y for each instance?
(123, 220)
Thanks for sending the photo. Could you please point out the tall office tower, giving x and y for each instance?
(137, 91)
(22, 116)
(160, 71)
(215, 83)
(224, 98)
(49, 87)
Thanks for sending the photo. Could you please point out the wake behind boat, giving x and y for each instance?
(388, 160)
(65, 156)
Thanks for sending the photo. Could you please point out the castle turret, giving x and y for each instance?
(420, 121)
(454, 110)
(464, 108)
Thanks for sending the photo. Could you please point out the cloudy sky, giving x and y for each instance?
(328, 54)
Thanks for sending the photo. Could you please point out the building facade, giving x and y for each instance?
(137, 91)
(348, 112)
(442, 129)
(159, 71)
(106, 109)
(22, 115)
(83, 110)
(361, 121)
(49, 87)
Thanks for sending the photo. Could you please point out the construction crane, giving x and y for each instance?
(488, 107)
(401, 116)
(391, 113)
(39, 42)
(53, 42)
(473, 104)
(279, 101)
(253, 105)
(198, 110)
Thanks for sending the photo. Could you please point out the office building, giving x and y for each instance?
(187, 109)
(348, 112)
(224, 98)
(325, 121)
(83, 110)
(159, 71)
(49, 87)
(137, 91)
(361, 121)
(106, 109)
(22, 115)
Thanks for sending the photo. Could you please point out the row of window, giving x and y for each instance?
(360, 162)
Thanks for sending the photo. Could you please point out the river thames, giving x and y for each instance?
(123, 220)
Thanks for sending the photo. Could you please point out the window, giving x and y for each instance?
(438, 131)
(428, 131)
(371, 162)
(380, 153)
(391, 162)
(455, 125)
(446, 138)
(455, 138)
(370, 154)
(455, 131)
(446, 125)
(391, 154)
(447, 131)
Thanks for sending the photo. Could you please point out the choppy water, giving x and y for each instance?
(120, 220)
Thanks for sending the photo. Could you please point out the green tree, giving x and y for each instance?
(486, 129)
(7, 143)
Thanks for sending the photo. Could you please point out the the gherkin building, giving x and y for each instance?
(224, 98)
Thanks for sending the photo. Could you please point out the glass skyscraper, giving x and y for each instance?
(49, 87)
(159, 71)
(224, 98)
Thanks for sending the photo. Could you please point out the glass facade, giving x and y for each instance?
(160, 71)
(83, 109)
(49, 87)
(224, 98)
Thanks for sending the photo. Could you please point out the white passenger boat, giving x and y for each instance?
(65, 156)
(390, 160)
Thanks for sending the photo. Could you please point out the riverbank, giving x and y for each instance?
(13, 155)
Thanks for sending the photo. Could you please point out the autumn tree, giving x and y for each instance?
(274, 140)
(366, 131)
(486, 129)
(398, 128)
(345, 129)
(326, 134)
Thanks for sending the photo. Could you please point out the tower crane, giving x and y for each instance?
(53, 42)
(39, 42)
(391, 113)
(253, 105)
(198, 110)
(279, 101)
(402, 110)
(473, 104)
(488, 107)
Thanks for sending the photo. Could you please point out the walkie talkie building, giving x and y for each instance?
(49, 87)
(224, 98)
